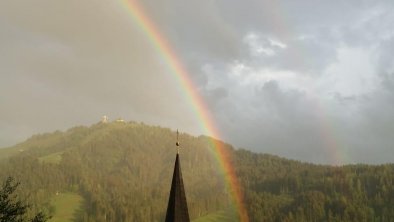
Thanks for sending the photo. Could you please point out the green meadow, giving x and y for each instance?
(54, 158)
(67, 207)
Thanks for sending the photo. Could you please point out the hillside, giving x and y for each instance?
(123, 171)
(120, 169)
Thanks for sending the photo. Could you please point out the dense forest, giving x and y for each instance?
(123, 172)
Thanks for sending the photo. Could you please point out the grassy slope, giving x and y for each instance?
(8, 152)
(67, 207)
(57, 142)
(54, 158)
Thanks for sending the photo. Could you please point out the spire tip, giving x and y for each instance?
(177, 141)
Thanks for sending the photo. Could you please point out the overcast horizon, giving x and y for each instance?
(306, 80)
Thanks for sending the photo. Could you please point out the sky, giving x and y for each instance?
(306, 80)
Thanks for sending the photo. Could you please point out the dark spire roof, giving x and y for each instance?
(177, 206)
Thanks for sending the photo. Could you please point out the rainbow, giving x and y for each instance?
(330, 137)
(327, 131)
(163, 47)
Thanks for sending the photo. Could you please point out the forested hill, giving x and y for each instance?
(123, 172)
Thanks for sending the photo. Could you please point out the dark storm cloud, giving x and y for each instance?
(282, 124)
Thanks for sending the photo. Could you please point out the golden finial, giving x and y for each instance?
(177, 141)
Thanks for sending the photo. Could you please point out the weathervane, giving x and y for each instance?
(177, 141)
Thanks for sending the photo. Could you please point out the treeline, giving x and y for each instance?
(277, 189)
(124, 170)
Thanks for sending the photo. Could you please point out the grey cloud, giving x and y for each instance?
(68, 63)
(212, 31)
(282, 124)
(215, 96)
(196, 29)
(373, 136)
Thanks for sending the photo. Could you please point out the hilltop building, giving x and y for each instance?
(119, 120)
(104, 119)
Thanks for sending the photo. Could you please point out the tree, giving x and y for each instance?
(12, 209)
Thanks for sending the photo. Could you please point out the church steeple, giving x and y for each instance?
(177, 206)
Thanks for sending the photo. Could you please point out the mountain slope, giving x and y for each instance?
(123, 172)
(122, 169)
